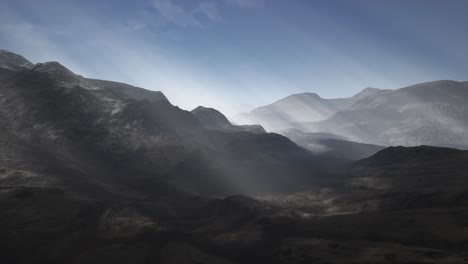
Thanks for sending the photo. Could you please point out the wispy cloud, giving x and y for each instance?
(176, 14)
(197, 15)
(209, 10)
(247, 3)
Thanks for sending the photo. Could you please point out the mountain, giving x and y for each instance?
(214, 120)
(333, 145)
(132, 92)
(344, 103)
(12, 61)
(305, 107)
(433, 113)
(97, 171)
(298, 108)
(101, 128)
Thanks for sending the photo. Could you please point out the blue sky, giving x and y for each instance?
(236, 54)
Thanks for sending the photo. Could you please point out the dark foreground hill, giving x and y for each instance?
(348, 223)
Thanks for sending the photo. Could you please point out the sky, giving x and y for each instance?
(234, 55)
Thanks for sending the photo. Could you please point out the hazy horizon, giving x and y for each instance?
(234, 55)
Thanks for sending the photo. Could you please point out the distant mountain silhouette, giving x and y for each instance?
(433, 113)
(298, 108)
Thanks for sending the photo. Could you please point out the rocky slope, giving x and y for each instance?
(12, 61)
(97, 124)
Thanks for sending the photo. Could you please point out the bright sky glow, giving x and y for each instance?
(236, 54)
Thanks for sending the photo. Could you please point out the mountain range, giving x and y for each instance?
(117, 127)
(95, 171)
(299, 108)
(432, 113)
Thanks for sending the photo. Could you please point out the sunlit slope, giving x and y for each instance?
(433, 113)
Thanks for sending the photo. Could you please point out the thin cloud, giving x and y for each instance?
(176, 14)
(209, 10)
(247, 3)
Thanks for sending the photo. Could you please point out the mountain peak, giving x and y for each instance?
(299, 96)
(307, 94)
(13, 61)
(202, 108)
(51, 66)
(59, 73)
(366, 92)
(369, 89)
(209, 110)
(211, 118)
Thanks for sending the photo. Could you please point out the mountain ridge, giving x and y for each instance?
(85, 120)
(13, 61)
(215, 120)
(298, 108)
(430, 113)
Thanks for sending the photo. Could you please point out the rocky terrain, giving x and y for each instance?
(95, 171)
